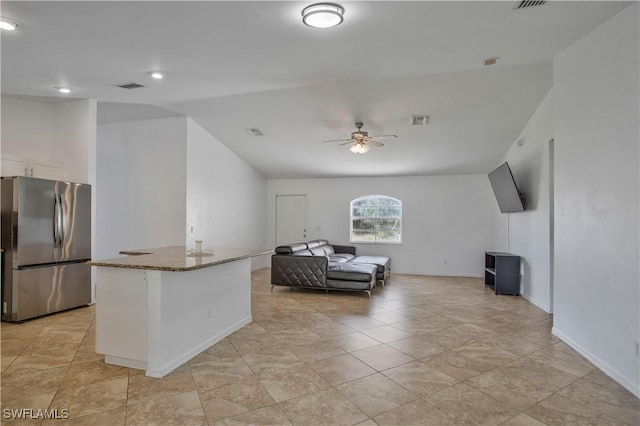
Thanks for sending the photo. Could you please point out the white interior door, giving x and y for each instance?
(291, 219)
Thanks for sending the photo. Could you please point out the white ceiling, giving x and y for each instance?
(235, 65)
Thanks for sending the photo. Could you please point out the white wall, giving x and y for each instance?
(59, 132)
(74, 131)
(156, 178)
(27, 128)
(527, 234)
(226, 198)
(140, 185)
(445, 218)
(596, 121)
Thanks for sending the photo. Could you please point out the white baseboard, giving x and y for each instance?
(186, 356)
(125, 362)
(438, 274)
(631, 387)
(260, 262)
(530, 299)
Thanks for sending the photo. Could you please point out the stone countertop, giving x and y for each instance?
(177, 258)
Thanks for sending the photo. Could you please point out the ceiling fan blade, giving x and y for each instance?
(337, 140)
(375, 143)
(346, 143)
(385, 137)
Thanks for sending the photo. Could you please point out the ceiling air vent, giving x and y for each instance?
(255, 131)
(419, 120)
(130, 85)
(525, 4)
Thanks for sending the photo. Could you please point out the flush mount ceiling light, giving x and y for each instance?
(158, 75)
(63, 89)
(9, 24)
(323, 15)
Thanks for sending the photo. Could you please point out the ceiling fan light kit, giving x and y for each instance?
(323, 15)
(359, 148)
(361, 140)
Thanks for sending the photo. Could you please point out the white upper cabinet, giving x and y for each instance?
(13, 165)
(46, 170)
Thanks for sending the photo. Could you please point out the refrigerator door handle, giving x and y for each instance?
(61, 221)
(55, 221)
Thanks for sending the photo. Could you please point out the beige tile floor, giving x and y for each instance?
(422, 350)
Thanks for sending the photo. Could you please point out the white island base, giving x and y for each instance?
(156, 320)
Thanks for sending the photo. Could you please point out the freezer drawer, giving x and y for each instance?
(39, 291)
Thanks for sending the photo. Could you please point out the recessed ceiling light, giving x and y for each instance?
(158, 75)
(9, 24)
(63, 89)
(323, 15)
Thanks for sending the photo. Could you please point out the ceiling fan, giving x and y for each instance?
(361, 140)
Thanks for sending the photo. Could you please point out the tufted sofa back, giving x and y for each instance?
(310, 248)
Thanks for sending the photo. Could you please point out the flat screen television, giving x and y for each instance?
(510, 200)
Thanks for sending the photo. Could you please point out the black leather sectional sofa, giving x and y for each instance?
(318, 264)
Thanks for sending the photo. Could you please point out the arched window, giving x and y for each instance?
(376, 219)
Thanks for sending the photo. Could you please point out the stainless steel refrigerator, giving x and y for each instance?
(46, 238)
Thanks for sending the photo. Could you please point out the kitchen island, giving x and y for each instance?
(158, 308)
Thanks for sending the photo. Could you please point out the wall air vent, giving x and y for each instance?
(255, 131)
(526, 4)
(130, 85)
(419, 120)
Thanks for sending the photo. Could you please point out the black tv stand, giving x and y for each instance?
(502, 272)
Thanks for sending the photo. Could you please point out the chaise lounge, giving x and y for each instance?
(318, 264)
